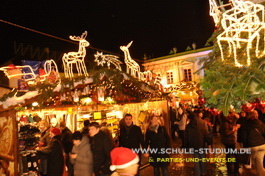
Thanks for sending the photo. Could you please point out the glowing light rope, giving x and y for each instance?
(76, 58)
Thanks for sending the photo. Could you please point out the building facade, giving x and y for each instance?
(176, 72)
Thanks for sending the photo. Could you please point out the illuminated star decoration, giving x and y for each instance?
(108, 59)
(132, 67)
(76, 58)
(243, 23)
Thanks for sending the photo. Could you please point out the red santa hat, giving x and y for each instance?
(55, 131)
(122, 157)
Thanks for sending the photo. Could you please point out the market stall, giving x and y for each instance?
(100, 94)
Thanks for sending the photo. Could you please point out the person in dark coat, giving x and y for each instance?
(196, 137)
(54, 152)
(156, 137)
(67, 143)
(228, 130)
(131, 135)
(101, 146)
(85, 128)
(261, 112)
(81, 155)
(173, 119)
(254, 137)
(242, 124)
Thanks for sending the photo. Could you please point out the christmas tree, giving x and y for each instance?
(235, 69)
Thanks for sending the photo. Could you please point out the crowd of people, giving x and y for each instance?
(93, 151)
(245, 129)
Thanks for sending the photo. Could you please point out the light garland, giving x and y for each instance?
(108, 59)
(242, 24)
(76, 58)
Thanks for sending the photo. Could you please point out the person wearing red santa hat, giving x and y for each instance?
(124, 161)
(54, 152)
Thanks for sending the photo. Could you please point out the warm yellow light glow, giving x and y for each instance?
(35, 104)
(76, 58)
(101, 93)
(87, 116)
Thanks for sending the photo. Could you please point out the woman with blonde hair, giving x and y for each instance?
(44, 141)
(157, 138)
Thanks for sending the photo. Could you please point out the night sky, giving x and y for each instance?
(155, 26)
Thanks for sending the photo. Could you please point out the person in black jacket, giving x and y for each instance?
(101, 147)
(67, 143)
(228, 129)
(157, 138)
(54, 152)
(196, 137)
(131, 135)
(254, 137)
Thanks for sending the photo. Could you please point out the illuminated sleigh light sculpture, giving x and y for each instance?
(29, 77)
(242, 25)
(108, 59)
(76, 58)
(132, 67)
(49, 67)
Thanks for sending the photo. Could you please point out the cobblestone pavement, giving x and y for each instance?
(187, 169)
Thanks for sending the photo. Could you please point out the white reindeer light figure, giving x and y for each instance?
(76, 58)
(108, 59)
(132, 67)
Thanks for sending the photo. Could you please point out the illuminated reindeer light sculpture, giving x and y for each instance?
(132, 67)
(76, 58)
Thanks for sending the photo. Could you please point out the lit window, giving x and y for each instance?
(170, 77)
(187, 75)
